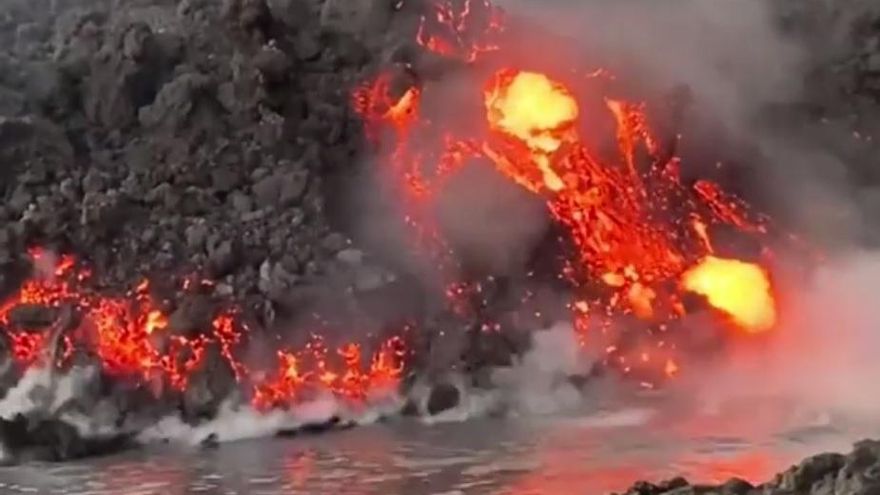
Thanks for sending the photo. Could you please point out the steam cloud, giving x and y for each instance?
(822, 358)
(738, 63)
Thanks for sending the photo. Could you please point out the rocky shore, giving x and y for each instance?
(855, 473)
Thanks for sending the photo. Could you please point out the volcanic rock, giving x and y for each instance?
(293, 13)
(32, 316)
(193, 315)
(28, 439)
(208, 387)
(442, 397)
(855, 473)
(356, 18)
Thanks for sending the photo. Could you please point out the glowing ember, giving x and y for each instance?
(463, 31)
(537, 111)
(741, 290)
(315, 370)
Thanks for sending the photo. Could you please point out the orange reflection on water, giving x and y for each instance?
(753, 466)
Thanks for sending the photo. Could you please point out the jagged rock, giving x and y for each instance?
(824, 474)
(273, 64)
(175, 102)
(193, 315)
(293, 13)
(442, 397)
(208, 387)
(32, 316)
(811, 471)
(29, 439)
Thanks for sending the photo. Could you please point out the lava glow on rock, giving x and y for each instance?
(132, 340)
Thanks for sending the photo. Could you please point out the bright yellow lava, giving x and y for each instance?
(536, 110)
(739, 289)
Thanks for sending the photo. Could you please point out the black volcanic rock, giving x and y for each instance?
(856, 473)
(31, 438)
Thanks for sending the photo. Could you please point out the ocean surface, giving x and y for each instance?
(577, 453)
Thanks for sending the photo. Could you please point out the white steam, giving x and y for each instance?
(537, 384)
(729, 52)
(822, 358)
(236, 421)
(42, 389)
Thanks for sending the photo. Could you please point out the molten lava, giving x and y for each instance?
(132, 339)
(531, 107)
(537, 111)
(637, 233)
(741, 290)
(636, 227)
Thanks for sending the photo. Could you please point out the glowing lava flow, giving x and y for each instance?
(637, 228)
(132, 339)
(740, 290)
(536, 111)
(612, 210)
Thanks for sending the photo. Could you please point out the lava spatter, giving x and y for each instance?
(132, 340)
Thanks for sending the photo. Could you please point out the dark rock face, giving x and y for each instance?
(41, 439)
(442, 397)
(177, 136)
(167, 139)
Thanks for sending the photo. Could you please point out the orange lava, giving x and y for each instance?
(741, 290)
(315, 370)
(133, 340)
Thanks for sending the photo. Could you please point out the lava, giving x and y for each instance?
(531, 107)
(535, 110)
(741, 290)
(132, 339)
(641, 235)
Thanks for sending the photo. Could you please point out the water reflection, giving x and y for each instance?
(546, 456)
